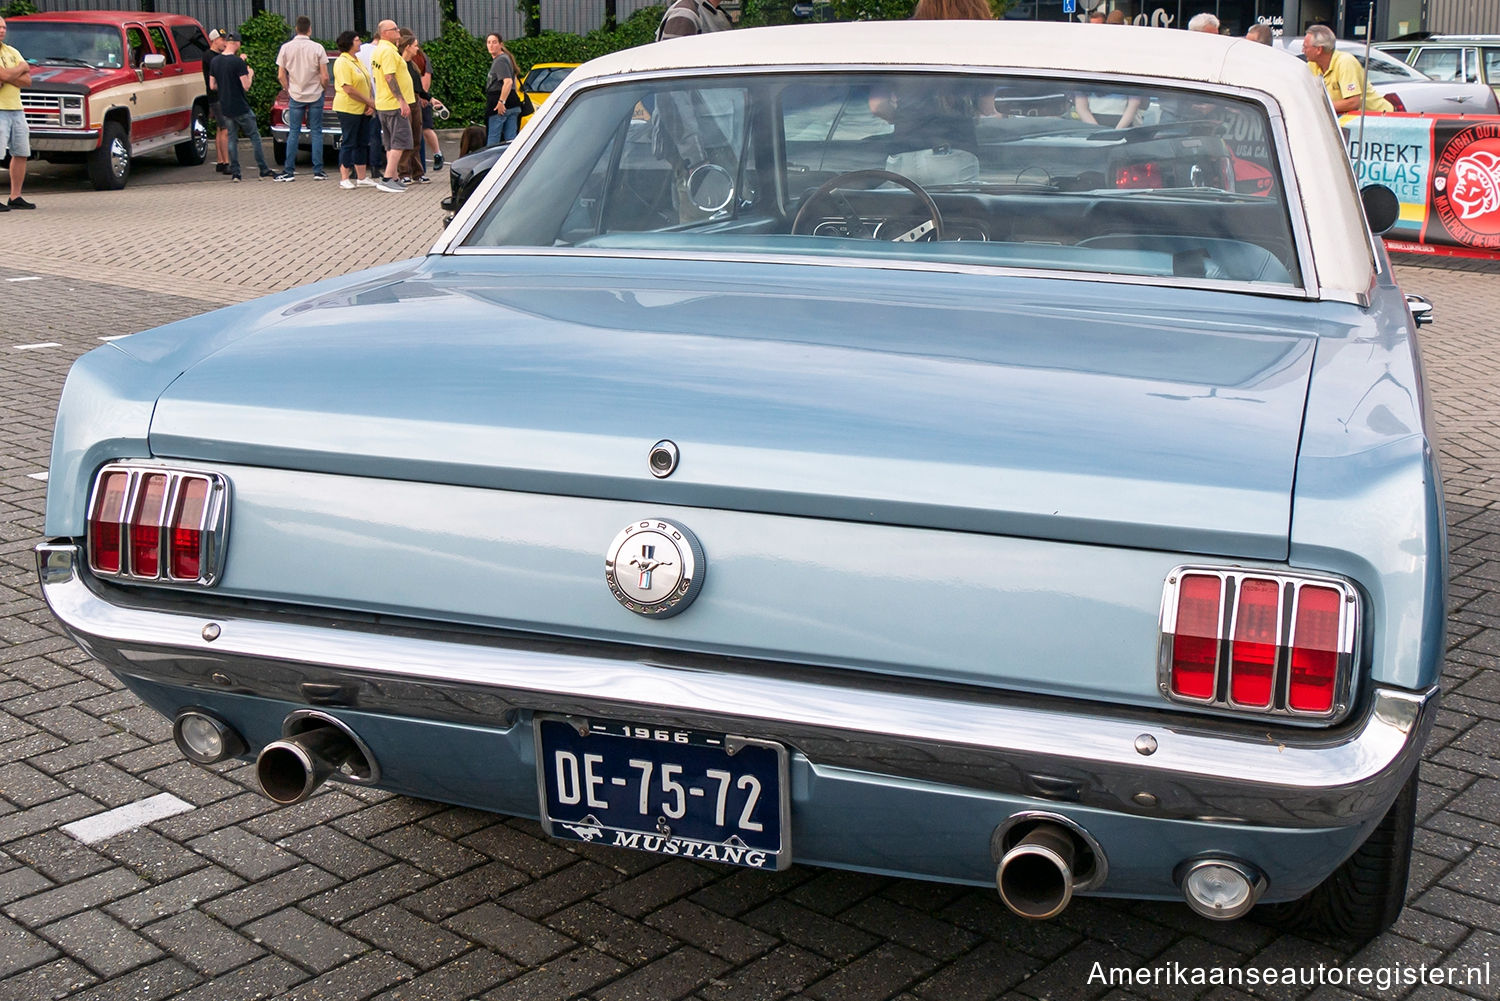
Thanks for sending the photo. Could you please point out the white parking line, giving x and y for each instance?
(28, 278)
(125, 818)
(38, 476)
(34, 347)
(114, 337)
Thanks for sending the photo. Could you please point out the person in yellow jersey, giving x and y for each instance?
(1342, 74)
(394, 96)
(15, 137)
(355, 107)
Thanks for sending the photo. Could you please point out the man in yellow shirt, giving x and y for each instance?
(394, 95)
(1342, 74)
(15, 138)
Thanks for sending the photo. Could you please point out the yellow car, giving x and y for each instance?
(542, 79)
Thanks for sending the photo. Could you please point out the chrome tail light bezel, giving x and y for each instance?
(212, 523)
(1290, 585)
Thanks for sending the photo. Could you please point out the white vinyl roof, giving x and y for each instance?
(1340, 241)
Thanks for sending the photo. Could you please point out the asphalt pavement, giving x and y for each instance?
(358, 893)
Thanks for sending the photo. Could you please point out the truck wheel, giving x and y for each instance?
(109, 165)
(278, 150)
(1363, 897)
(195, 150)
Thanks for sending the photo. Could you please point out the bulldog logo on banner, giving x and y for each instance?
(1466, 186)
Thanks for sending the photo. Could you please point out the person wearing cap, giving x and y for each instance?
(221, 132)
(1341, 73)
(231, 78)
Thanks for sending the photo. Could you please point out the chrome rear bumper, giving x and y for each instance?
(1074, 752)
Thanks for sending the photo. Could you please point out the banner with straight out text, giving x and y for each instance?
(1445, 171)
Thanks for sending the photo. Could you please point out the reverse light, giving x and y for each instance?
(1259, 642)
(151, 523)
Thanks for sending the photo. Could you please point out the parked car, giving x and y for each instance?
(1408, 89)
(108, 86)
(1459, 58)
(802, 462)
(541, 80)
(465, 175)
(332, 136)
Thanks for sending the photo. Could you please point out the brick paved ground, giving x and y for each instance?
(358, 894)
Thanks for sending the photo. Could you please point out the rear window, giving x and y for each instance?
(1102, 176)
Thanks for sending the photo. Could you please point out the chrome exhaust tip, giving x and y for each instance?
(314, 746)
(1035, 877)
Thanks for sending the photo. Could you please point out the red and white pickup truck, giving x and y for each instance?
(107, 86)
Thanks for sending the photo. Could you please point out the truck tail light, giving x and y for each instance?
(1258, 642)
(1140, 175)
(152, 523)
(1396, 103)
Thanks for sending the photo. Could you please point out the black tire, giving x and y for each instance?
(1364, 896)
(195, 150)
(278, 151)
(109, 165)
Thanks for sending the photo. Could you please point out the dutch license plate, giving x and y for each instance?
(707, 796)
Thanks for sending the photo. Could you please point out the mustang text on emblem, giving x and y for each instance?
(654, 568)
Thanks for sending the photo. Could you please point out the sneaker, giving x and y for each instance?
(318, 175)
(4, 207)
(390, 186)
(367, 182)
(424, 179)
(234, 177)
(286, 176)
(437, 161)
(268, 172)
(222, 168)
(347, 184)
(19, 203)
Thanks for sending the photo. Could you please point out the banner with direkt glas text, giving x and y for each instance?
(1445, 171)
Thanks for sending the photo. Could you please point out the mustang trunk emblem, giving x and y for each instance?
(654, 568)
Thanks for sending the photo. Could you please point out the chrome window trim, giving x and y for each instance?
(452, 239)
(212, 526)
(1348, 640)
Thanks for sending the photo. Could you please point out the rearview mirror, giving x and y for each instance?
(154, 61)
(1382, 209)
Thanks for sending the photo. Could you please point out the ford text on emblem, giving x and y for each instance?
(654, 568)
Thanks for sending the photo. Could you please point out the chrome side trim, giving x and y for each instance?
(1064, 751)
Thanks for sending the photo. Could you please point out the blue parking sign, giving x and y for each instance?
(1069, 6)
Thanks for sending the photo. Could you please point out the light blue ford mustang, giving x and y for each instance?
(890, 446)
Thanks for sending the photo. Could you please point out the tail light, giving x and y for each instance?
(1396, 103)
(1140, 175)
(157, 524)
(1263, 643)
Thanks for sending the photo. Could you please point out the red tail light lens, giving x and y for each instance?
(155, 524)
(1288, 650)
(1315, 650)
(186, 549)
(1140, 175)
(105, 520)
(145, 526)
(1396, 103)
(1257, 632)
(1195, 645)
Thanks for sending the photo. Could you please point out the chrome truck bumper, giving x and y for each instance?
(1143, 764)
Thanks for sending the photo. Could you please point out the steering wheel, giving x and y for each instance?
(857, 226)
